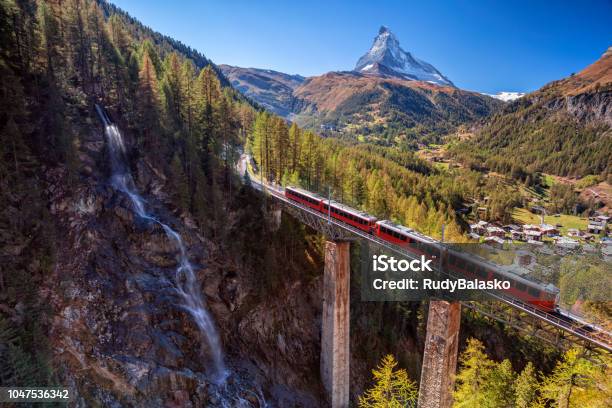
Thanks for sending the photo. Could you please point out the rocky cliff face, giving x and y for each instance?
(120, 338)
(118, 334)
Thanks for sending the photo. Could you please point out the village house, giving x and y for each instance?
(494, 241)
(549, 230)
(493, 231)
(517, 235)
(533, 235)
(567, 243)
(596, 227)
(480, 228)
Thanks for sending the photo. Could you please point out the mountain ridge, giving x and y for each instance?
(271, 89)
(390, 97)
(563, 128)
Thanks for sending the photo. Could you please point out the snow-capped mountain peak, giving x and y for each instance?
(507, 96)
(387, 58)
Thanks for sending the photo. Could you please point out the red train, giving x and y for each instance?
(544, 297)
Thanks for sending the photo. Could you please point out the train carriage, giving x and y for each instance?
(542, 296)
(356, 218)
(304, 197)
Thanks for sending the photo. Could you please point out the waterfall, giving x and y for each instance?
(185, 282)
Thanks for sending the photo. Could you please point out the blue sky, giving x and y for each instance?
(487, 46)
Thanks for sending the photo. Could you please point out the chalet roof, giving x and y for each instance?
(495, 239)
(493, 228)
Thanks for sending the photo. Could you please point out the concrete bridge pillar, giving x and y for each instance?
(336, 322)
(275, 216)
(440, 355)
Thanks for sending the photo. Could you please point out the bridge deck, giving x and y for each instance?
(335, 229)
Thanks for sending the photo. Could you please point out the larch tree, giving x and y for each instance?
(578, 382)
(392, 387)
(473, 376)
(148, 95)
(525, 387)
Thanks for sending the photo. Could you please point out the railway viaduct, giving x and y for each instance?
(443, 322)
(442, 340)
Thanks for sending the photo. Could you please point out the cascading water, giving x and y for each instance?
(185, 281)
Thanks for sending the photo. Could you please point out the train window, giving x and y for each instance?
(480, 271)
(520, 286)
(533, 292)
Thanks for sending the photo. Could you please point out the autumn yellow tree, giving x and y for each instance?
(578, 382)
(392, 388)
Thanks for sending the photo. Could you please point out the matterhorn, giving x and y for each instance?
(387, 59)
